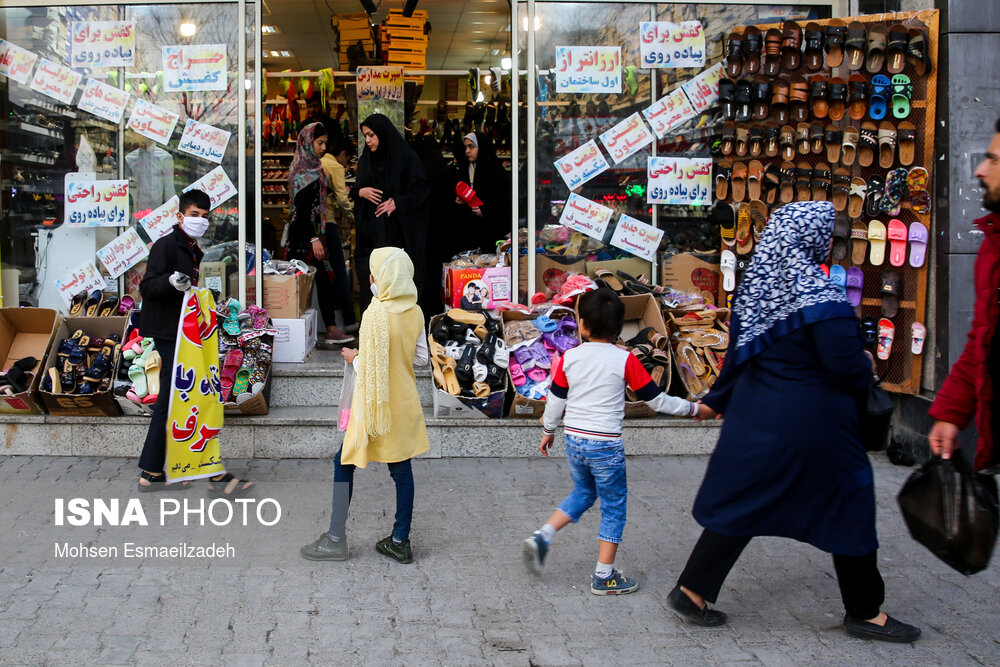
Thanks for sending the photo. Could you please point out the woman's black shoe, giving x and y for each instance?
(683, 605)
(892, 631)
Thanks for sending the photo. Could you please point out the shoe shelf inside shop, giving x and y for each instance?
(902, 370)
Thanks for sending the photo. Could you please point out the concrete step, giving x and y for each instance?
(311, 432)
(317, 382)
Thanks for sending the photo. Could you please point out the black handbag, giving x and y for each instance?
(952, 511)
(876, 417)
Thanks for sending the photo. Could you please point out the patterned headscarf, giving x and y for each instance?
(306, 168)
(397, 293)
(784, 289)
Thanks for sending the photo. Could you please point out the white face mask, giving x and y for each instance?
(194, 227)
(374, 289)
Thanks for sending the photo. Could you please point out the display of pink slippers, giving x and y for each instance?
(897, 242)
(230, 367)
(886, 332)
(919, 335)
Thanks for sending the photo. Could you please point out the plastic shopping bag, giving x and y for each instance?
(346, 396)
(952, 511)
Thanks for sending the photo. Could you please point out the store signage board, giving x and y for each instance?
(92, 203)
(102, 44)
(123, 253)
(152, 122)
(380, 90)
(103, 101)
(668, 112)
(626, 138)
(679, 181)
(56, 81)
(588, 69)
(15, 62)
(84, 278)
(198, 67)
(585, 216)
(216, 185)
(665, 44)
(204, 141)
(636, 237)
(161, 220)
(380, 83)
(703, 90)
(581, 165)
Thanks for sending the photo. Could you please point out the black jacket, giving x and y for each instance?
(161, 302)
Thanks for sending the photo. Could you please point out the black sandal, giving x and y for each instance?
(232, 485)
(157, 483)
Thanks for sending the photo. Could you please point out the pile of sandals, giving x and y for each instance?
(699, 339)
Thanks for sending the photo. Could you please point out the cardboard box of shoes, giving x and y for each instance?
(83, 371)
(535, 342)
(469, 364)
(699, 337)
(644, 327)
(24, 333)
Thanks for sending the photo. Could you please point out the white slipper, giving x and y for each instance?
(727, 262)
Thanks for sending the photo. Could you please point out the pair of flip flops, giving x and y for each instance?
(899, 235)
(887, 334)
(850, 280)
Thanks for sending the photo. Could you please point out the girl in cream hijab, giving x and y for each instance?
(387, 422)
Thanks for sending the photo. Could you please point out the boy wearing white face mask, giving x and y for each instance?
(172, 268)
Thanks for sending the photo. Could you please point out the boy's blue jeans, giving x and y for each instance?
(343, 488)
(598, 471)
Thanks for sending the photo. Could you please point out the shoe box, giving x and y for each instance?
(218, 276)
(447, 405)
(693, 272)
(295, 338)
(495, 280)
(285, 297)
(642, 311)
(26, 332)
(101, 403)
(523, 407)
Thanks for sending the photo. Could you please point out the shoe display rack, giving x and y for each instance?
(813, 168)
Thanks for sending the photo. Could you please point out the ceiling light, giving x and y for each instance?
(188, 29)
(248, 84)
(506, 63)
(495, 52)
(524, 23)
(268, 30)
(488, 79)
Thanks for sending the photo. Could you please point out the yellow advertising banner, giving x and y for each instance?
(196, 413)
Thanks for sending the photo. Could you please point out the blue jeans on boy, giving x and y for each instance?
(598, 471)
(343, 488)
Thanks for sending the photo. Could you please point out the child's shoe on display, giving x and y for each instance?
(534, 552)
(616, 584)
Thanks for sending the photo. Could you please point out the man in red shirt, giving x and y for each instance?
(968, 391)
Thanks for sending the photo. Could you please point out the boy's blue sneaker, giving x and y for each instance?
(616, 584)
(534, 551)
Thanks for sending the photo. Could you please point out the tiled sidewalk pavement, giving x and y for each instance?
(466, 600)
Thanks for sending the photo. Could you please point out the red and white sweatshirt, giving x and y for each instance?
(588, 384)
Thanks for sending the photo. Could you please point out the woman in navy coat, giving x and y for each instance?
(789, 461)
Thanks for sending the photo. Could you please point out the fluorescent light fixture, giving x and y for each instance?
(506, 63)
(188, 29)
(538, 23)
(268, 30)
(279, 54)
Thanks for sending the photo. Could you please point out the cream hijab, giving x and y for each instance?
(397, 293)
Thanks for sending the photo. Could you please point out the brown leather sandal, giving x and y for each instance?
(791, 46)
(772, 53)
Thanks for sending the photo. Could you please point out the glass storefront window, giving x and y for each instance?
(42, 137)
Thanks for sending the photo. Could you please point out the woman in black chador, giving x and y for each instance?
(390, 199)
